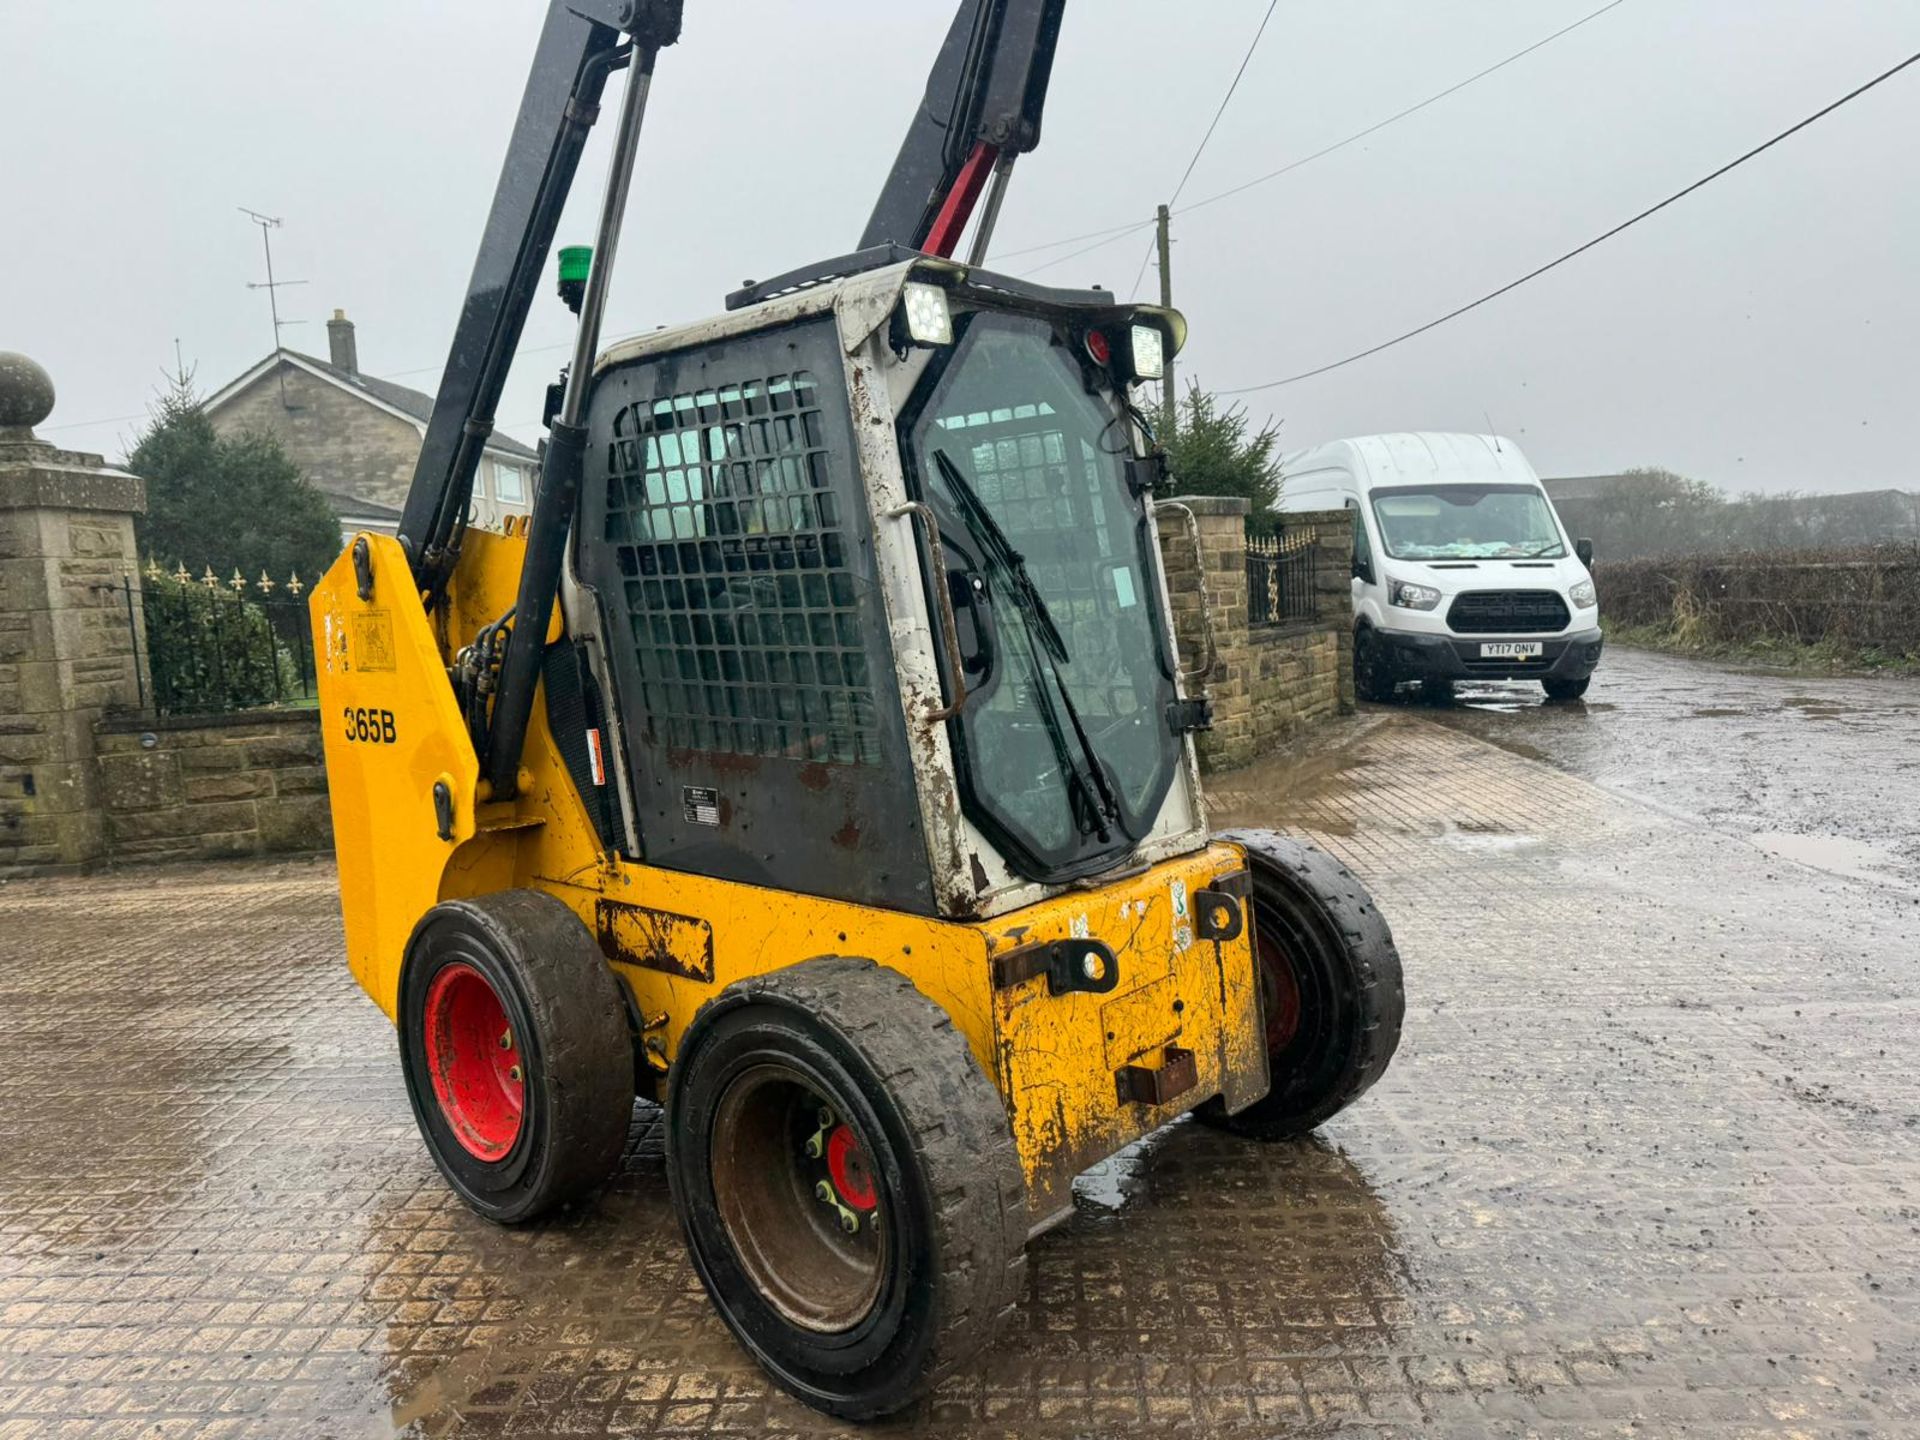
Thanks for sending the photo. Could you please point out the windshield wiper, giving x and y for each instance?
(1037, 623)
(987, 533)
(1537, 551)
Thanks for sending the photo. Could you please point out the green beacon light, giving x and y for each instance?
(575, 262)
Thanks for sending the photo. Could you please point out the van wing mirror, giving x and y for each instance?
(1583, 547)
(1362, 570)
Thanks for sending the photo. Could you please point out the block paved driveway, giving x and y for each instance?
(1647, 1164)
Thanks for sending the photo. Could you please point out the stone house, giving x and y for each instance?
(356, 437)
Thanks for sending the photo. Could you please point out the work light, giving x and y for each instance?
(1149, 353)
(929, 322)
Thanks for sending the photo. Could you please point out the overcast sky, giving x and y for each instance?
(1761, 334)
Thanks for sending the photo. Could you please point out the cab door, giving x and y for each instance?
(724, 531)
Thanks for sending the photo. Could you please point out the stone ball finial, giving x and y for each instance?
(26, 391)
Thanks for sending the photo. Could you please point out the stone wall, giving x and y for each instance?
(1268, 683)
(86, 780)
(197, 788)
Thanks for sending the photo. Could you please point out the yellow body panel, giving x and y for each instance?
(678, 939)
(378, 662)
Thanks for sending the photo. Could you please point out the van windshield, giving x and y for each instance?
(1467, 522)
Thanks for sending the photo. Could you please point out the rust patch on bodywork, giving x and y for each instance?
(655, 940)
(719, 762)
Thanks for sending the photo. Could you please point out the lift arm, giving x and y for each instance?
(580, 44)
(982, 108)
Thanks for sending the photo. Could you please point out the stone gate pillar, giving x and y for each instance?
(68, 648)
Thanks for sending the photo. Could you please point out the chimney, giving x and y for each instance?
(341, 348)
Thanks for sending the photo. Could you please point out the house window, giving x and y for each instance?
(509, 484)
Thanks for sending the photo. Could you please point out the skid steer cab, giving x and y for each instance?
(816, 764)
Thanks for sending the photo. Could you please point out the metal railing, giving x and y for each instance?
(214, 647)
(1280, 578)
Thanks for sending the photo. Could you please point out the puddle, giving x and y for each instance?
(1818, 707)
(1483, 839)
(1290, 785)
(1112, 1183)
(1833, 853)
(1712, 712)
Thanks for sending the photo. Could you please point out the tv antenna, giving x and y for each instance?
(268, 224)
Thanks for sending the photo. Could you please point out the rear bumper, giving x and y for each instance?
(1449, 657)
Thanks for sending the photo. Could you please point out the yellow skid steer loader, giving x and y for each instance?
(814, 760)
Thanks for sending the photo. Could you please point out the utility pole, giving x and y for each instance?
(1169, 397)
(268, 224)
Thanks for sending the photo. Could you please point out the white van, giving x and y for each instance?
(1461, 568)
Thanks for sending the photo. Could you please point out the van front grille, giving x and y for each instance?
(1507, 612)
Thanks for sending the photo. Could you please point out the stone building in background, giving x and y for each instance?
(356, 437)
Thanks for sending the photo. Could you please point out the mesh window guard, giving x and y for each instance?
(727, 530)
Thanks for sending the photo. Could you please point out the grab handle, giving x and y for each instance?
(949, 627)
(1200, 573)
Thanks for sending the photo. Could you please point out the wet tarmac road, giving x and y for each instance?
(1821, 770)
(1648, 1163)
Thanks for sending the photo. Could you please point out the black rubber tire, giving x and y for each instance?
(1352, 998)
(570, 1023)
(1370, 679)
(1566, 689)
(941, 1152)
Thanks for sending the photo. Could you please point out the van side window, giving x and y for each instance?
(1362, 546)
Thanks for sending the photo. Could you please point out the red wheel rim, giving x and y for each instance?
(1279, 989)
(848, 1169)
(474, 1059)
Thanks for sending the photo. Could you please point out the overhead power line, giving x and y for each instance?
(1214, 124)
(83, 424)
(1627, 224)
(1107, 235)
(1438, 95)
(1133, 229)
(1225, 100)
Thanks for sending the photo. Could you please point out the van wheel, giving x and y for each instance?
(1371, 681)
(1332, 997)
(847, 1182)
(1565, 689)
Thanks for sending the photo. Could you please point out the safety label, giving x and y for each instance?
(702, 803)
(373, 640)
